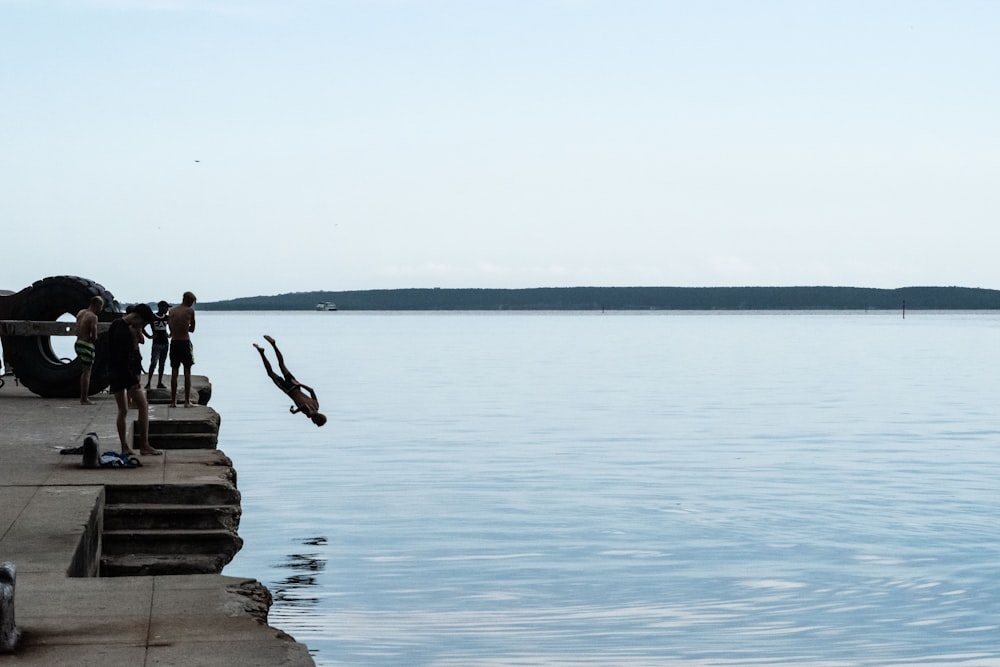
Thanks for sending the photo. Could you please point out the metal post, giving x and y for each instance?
(9, 634)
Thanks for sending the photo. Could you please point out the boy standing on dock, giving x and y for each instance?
(86, 344)
(161, 342)
(181, 322)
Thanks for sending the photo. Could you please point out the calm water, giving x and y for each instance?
(640, 489)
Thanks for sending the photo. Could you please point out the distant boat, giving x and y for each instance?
(326, 305)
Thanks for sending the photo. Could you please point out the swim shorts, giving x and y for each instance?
(181, 353)
(286, 384)
(85, 350)
(120, 381)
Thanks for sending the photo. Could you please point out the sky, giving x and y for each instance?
(249, 147)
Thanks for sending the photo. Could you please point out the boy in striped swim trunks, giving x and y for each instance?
(86, 344)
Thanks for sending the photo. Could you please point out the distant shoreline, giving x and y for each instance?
(629, 298)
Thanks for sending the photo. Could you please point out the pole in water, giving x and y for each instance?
(904, 309)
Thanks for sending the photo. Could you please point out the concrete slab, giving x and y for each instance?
(48, 531)
(225, 653)
(164, 412)
(202, 456)
(196, 473)
(13, 500)
(68, 471)
(15, 473)
(83, 610)
(40, 655)
(201, 389)
(219, 607)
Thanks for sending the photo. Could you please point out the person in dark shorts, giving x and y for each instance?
(286, 382)
(125, 366)
(180, 319)
(161, 342)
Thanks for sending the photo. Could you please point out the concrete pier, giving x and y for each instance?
(91, 547)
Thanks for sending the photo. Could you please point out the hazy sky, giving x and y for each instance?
(245, 147)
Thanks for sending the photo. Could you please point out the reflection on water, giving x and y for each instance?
(296, 596)
(296, 592)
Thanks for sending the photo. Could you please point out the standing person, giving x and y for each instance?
(86, 344)
(307, 405)
(161, 341)
(125, 367)
(180, 319)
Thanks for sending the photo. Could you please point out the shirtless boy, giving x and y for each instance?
(286, 382)
(86, 344)
(180, 320)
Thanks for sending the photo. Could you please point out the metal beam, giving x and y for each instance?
(38, 328)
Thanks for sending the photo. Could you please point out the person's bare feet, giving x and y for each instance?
(87, 402)
(128, 452)
(150, 452)
(188, 404)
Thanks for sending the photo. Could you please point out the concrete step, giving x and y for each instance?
(184, 440)
(200, 432)
(171, 494)
(171, 542)
(154, 516)
(206, 422)
(201, 392)
(144, 565)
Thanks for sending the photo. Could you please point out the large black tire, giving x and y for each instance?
(36, 364)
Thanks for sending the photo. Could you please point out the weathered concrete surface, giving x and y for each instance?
(51, 522)
(201, 390)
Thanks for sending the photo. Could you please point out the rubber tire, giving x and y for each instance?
(36, 364)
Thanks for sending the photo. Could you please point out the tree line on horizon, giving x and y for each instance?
(629, 298)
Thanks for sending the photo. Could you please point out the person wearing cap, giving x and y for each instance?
(125, 366)
(161, 343)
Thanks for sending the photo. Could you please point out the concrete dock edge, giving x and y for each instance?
(67, 528)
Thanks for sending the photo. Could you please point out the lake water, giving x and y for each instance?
(623, 488)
